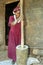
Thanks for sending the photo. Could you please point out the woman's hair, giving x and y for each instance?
(17, 8)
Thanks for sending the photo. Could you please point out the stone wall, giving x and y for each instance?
(2, 26)
(34, 27)
(34, 23)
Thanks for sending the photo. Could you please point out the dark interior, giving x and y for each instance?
(8, 12)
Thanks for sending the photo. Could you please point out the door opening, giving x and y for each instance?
(8, 12)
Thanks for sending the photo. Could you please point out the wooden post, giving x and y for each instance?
(21, 50)
(22, 23)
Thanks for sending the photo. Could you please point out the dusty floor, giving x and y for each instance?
(4, 56)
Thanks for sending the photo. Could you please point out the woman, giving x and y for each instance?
(14, 33)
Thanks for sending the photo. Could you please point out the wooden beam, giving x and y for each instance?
(10, 1)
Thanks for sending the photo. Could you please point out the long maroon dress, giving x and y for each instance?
(14, 38)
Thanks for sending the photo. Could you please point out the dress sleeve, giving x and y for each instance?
(11, 19)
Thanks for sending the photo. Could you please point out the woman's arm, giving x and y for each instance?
(12, 21)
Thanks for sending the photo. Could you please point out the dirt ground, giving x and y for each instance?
(4, 56)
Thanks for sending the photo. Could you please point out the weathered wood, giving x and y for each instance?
(10, 1)
(22, 23)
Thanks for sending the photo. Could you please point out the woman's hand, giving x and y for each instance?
(13, 23)
(19, 20)
(15, 20)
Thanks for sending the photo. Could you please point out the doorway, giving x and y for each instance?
(8, 12)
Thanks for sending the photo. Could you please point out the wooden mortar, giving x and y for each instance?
(21, 55)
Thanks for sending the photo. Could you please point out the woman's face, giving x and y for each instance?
(17, 13)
